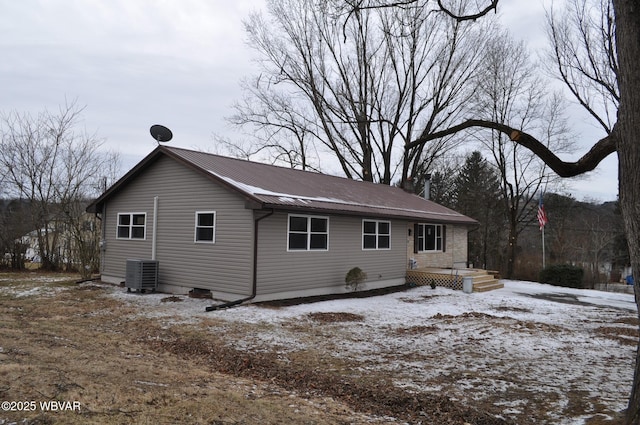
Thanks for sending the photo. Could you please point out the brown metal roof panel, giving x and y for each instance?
(326, 206)
(296, 189)
(272, 178)
(361, 210)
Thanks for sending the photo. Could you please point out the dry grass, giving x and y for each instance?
(76, 345)
(335, 317)
(65, 342)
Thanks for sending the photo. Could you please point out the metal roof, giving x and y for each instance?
(269, 186)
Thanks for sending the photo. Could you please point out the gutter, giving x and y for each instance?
(254, 288)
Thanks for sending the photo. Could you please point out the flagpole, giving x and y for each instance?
(542, 221)
(543, 256)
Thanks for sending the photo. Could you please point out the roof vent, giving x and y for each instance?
(427, 186)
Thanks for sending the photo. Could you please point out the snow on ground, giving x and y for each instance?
(32, 285)
(565, 352)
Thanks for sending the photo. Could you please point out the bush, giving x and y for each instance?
(563, 275)
(355, 277)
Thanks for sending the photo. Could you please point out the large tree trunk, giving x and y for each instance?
(627, 14)
(512, 245)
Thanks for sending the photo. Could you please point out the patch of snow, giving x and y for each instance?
(188, 310)
(247, 188)
(283, 197)
(40, 291)
(522, 346)
(290, 200)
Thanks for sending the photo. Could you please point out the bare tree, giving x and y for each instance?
(599, 238)
(584, 233)
(54, 168)
(12, 228)
(511, 91)
(562, 238)
(583, 56)
(285, 132)
(450, 89)
(359, 85)
(87, 172)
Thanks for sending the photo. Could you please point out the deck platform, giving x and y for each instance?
(483, 280)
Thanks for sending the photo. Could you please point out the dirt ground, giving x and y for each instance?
(69, 354)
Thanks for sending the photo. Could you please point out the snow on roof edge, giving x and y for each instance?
(291, 198)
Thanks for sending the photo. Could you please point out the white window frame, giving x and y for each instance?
(377, 234)
(213, 227)
(308, 233)
(423, 226)
(131, 226)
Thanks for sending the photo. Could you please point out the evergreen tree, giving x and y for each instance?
(476, 193)
(441, 187)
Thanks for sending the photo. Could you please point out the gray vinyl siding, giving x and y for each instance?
(280, 270)
(223, 267)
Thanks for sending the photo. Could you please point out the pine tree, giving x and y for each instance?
(477, 194)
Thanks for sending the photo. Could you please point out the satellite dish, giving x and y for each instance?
(161, 133)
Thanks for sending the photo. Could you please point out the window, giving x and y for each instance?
(430, 237)
(205, 227)
(376, 234)
(131, 225)
(308, 233)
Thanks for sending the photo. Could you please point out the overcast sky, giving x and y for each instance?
(135, 63)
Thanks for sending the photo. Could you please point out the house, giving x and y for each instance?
(70, 243)
(246, 230)
(31, 245)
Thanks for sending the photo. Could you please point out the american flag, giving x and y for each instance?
(542, 215)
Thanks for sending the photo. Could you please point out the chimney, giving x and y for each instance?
(427, 186)
(409, 185)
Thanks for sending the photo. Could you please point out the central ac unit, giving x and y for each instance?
(141, 275)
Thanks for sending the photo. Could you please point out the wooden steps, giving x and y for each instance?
(484, 281)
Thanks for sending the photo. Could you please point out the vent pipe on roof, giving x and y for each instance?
(409, 186)
(427, 186)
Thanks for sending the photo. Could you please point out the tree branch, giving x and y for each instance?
(599, 151)
(492, 6)
(358, 5)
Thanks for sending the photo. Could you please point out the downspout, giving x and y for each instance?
(154, 235)
(103, 240)
(254, 286)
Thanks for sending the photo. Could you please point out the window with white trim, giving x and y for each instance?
(131, 226)
(205, 227)
(307, 233)
(430, 237)
(376, 234)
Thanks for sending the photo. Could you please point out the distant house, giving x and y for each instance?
(31, 245)
(62, 242)
(242, 229)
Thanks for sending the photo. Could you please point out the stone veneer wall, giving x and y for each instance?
(455, 255)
